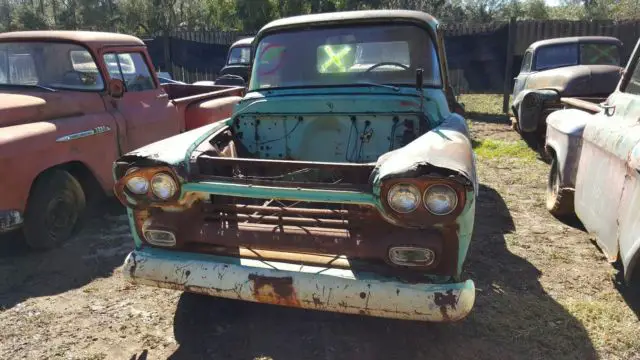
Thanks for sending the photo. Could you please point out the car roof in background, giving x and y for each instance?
(576, 40)
(94, 39)
(243, 42)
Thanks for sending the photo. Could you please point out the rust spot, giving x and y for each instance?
(363, 295)
(274, 290)
(444, 300)
(316, 300)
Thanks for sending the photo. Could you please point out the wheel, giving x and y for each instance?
(559, 202)
(54, 210)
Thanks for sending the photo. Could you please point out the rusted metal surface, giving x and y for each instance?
(316, 288)
(607, 180)
(287, 200)
(581, 104)
(95, 40)
(351, 231)
(88, 130)
(564, 142)
(578, 80)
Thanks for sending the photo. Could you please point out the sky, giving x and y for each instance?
(552, 2)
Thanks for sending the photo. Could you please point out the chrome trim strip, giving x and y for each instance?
(82, 134)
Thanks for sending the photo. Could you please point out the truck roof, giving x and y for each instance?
(94, 39)
(241, 42)
(576, 39)
(362, 16)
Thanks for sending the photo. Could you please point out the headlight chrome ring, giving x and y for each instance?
(403, 198)
(440, 199)
(163, 186)
(138, 185)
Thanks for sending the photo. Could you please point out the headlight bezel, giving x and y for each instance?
(171, 178)
(140, 200)
(410, 186)
(422, 217)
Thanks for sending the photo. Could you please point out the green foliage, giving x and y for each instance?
(146, 17)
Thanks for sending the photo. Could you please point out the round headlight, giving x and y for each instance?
(440, 199)
(163, 186)
(138, 185)
(403, 198)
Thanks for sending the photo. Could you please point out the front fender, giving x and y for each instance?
(530, 104)
(446, 148)
(174, 151)
(564, 139)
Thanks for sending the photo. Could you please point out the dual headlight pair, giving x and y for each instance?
(162, 185)
(438, 199)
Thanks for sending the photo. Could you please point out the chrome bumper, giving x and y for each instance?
(295, 285)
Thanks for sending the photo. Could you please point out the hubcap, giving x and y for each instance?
(60, 215)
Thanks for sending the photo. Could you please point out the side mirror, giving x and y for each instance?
(116, 88)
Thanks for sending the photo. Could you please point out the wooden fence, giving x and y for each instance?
(521, 35)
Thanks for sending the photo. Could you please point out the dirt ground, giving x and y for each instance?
(545, 291)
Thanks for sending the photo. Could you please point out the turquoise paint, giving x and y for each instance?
(132, 226)
(348, 99)
(465, 223)
(216, 127)
(267, 192)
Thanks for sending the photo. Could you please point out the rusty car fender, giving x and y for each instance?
(529, 106)
(564, 141)
(29, 149)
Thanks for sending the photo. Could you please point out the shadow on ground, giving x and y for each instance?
(98, 248)
(513, 318)
(488, 118)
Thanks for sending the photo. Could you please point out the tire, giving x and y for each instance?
(559, 202)
(54, 210)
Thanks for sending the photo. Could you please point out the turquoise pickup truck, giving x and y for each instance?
(344, 181)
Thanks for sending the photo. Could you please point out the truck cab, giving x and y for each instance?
(71, 102)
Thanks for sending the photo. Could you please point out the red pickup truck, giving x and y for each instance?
(71, 102)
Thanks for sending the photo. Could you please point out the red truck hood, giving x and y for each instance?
(35, 106)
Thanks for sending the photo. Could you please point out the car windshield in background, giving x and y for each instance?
(51, 65)
(550, 57)
(555, 56)
(599, 54)
(384, 54)
(240, 55)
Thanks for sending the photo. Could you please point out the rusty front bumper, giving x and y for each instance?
(295, 285)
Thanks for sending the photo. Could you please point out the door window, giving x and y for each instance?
(526, 62)
(131, 69)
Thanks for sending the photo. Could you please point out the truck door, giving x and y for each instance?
(607, 179)
(525, 70)
(150, 115)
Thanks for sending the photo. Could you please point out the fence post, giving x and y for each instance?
(508, 71)
(167, 52)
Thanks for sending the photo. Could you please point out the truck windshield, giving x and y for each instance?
(52, 65)
(555, 56)
(239, 55)
(383, 54)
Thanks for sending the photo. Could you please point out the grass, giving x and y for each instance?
(497, 149)
(486, 104)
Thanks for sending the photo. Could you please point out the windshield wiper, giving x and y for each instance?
(394, 88)
(31, 85)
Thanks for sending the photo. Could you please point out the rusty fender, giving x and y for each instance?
(294, 285)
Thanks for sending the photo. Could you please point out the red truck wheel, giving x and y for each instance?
(54, 209)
